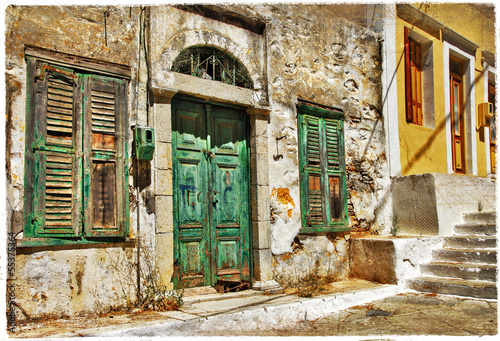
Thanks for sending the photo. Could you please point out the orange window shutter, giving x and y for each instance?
(418, 82)
(408, 87)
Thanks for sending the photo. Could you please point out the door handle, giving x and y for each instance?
(208, 153)
(214, 201)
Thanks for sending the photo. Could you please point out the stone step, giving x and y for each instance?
(485, 256)
(480, 217)
(470, 242)
(476, 229)
(459, 287)
(480, 272)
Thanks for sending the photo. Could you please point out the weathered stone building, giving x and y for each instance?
(269, 135)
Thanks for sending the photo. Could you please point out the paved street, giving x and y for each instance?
(405, 314)
(347, 308)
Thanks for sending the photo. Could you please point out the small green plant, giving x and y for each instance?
(479, 206)
(154, 295)
(158, 298)
(394, 227)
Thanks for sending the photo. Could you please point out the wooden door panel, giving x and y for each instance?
(227, 134)
(231, 179)
(191, 188)
(190, 129)
(457, 125)
(229, 190)
(193, 264)
(228, 258)
(211, 194)
(458, 154)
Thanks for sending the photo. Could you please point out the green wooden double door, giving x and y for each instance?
(211, 194)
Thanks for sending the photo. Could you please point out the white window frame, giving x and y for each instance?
(469, 107)
(489, 71)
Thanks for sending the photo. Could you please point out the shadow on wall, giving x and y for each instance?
(430, 141)
(442, 125)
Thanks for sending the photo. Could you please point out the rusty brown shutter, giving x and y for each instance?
(56, 190)
(104, 165)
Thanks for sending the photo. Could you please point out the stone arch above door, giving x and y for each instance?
(252, 59)
(212, 63)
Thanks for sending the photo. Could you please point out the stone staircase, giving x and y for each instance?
(467, 263)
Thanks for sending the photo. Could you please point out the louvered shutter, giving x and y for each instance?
(322, 170)
(312, 171)
(105, 181)
(408, 90)
(334, 169)
(56, 192)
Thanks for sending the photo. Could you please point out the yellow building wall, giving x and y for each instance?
(423, 150)
(476, 22)
(480, 136)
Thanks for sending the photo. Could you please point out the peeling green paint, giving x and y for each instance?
(211, 192)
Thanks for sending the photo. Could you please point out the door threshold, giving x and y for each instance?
(197, 291)
(217, 296)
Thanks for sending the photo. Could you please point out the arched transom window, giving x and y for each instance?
(211, 63)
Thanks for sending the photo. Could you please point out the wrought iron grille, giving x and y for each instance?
(214, 64)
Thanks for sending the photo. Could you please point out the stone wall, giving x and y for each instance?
(316, 56)
(391, 260)
(65, 280)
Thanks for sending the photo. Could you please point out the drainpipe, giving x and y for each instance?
(138, 233)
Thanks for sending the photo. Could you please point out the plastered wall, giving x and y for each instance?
(316, 56)
(66, 280)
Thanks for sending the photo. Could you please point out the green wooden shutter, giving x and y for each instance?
(322, 170)
(105, 180)
(312, 171)
(56, 191)
(335, 174)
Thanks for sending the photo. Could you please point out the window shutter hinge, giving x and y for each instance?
(38, 146)
(36, 220)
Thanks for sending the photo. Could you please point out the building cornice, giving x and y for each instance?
(430, 25)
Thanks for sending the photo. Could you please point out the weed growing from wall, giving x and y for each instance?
(308, 285)
(154, 295)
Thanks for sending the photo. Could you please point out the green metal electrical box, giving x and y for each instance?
(144, 143)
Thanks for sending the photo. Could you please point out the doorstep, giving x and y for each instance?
(205, 297)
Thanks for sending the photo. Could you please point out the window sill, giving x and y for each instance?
(421, 127)
(311, 230)
(43, 242)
